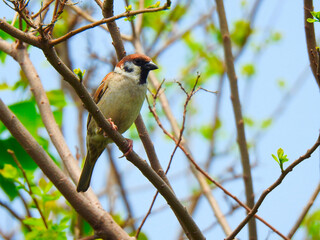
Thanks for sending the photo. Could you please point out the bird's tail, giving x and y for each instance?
(85, 178)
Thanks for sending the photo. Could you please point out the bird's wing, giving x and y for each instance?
(100, 91)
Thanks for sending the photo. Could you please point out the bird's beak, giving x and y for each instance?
(150, 66)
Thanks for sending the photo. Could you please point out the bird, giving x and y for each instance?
(119, 97)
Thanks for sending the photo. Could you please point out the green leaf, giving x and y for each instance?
(61, 27)
(241, 31)
(128, 8)
(36, 191)
(311, 20)
(275, 158)
(154, 5)
(281, 158)
(79, 73)
(25, 160)
(206, 131)
(315, 14)
(266, 123)
(276, 36)
(9, 172)
(130, 18)
(3, 56)
(118, 219)
(57, 98)
(45, 186)
(4, 86)
(248, 121)
(281, 83)
(27, 113)
(39, 232)
(9, 188)
(142, 236)
(34, 222)
(312, 224)
(6, 36)
(248, 70)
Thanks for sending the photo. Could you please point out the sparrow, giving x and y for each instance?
(119, 97)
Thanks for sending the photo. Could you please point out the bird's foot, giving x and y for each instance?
(129, 149)
(114, 127)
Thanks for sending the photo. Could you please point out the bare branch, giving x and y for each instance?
(241, 137)
(14, 214)
(100, 220)
(272, 187)
(29, 190)
(18, 34)
(204, 173)
(304, 212)
(311, 39)
(87, 17)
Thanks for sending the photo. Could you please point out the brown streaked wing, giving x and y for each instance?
(99, 92)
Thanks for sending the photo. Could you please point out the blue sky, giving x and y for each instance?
(295, 130)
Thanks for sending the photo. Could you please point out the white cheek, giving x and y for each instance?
(134, 75)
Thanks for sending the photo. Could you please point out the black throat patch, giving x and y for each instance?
(143, 76)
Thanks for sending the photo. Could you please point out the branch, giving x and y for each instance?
(122, 143)
(242, 143)
(107, 12)
(18, 34)
(87, 17)
(204, 173)
(273, 186)
(14, 214)
(304, 212)
(120, 183)
(29, 190)
(19, 53)
(100, 220)
(311, 39)
(187, 224)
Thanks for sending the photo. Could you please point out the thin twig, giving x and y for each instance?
(272, 187)
(29, 190)
(204, 173)
(101, 221)
(14, 214)
(123, 192)
(87, 17)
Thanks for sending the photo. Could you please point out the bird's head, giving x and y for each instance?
(136, 67)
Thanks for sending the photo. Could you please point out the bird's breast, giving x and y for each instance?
(122, 103)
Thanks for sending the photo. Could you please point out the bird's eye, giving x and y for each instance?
(128, 69)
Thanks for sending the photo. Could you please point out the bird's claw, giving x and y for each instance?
(114, 127)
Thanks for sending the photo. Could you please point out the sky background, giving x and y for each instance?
(295, 130)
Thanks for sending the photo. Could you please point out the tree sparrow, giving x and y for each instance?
(119, 97)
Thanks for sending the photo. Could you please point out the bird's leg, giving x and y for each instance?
(129, 149)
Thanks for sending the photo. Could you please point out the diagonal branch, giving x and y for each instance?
(178, 209)
(273, 186)
(304, 212)
(100, 220)
(205, 174)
